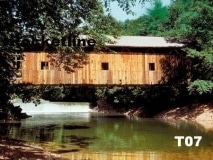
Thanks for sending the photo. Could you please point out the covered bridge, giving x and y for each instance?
(136, 62)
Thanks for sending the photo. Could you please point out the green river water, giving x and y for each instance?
(86, 135)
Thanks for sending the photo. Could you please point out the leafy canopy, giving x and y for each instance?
(193, 20)
(148, 24)
(53, 18)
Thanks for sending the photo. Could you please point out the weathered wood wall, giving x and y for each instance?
(124, 68)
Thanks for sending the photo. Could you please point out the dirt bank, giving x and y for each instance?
(200, 113)
(11, 149)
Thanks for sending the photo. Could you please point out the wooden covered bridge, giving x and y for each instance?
(136, 61)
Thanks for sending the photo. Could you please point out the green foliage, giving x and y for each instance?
(53, 93)
(119, 94)
(28, 93)
(148, 24)
(53, 19)
(201, 67)
(135, 27)
(7, 55)
(124, 4)
(68, 93)
(157, 15)
(101, 92)
(179, 17)
(201, 87)
(191, 22)
(153, 98)
(195, 23)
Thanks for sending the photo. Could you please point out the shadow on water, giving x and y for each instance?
(91, 135)
(75, 127)
(80, 141)
(7, 128)
(45, 133)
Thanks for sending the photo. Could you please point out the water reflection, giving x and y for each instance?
(204, 154)
(95, 136)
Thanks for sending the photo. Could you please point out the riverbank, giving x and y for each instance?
(10, 148)
(199, 113)
(20, 150)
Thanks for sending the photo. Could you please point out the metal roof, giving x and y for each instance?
(142, 42)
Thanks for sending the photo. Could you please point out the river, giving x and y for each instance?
(73, 131)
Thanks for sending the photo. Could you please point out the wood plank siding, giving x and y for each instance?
(103, 68)
(137, 61)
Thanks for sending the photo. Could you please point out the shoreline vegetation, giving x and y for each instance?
(146, 101)
(151, 98)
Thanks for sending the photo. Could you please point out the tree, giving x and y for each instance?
(7, 55)
(157, 15)
(135, 27)
(192, 22)
(148, 24)
(124, 4)
(21, 20)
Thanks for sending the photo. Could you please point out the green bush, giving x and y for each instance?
(200, 87)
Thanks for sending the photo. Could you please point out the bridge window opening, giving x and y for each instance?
(105, 66)
(44, 65)
(18, 65)
(18, 62)
(151, 66)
